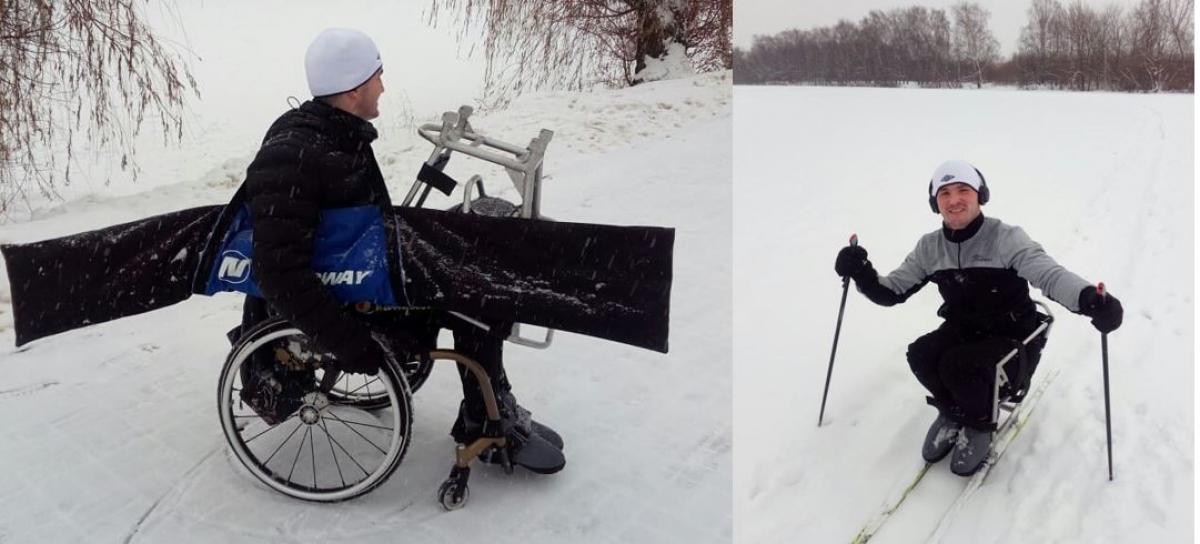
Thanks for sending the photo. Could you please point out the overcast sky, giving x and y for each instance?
(765, 17)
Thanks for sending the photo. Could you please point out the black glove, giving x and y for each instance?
(1105, 310)
(851, 261)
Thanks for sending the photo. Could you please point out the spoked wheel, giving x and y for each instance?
(358, 390)
(366, 392)
(299, 440)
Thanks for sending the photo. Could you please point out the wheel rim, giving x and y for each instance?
(328, 449)
(359, 390)
(446, 496)
(366, 392)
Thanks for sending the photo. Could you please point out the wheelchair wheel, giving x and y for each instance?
(303, 442)
(367, 392)
(358, 390)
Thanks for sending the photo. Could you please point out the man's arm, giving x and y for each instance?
(1033, 264)
(284, 189)
(890, 290)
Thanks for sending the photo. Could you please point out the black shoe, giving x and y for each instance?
(939, 440)
(525, 422)
(530, 444)
(531, 451)
(465, 426)
(970, 451)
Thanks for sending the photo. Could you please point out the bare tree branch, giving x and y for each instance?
(78, 66)
(575, 44)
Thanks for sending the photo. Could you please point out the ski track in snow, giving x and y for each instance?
(114, 426)
(1102, 180)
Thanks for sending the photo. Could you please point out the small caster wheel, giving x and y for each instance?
(453, 494)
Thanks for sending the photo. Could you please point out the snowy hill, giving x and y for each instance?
(111, 431)
(1103, 181)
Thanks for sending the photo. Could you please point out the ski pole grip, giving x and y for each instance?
(1100, 290)
(854, 241)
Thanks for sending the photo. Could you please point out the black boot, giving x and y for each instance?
(940, 438)
(970, 451)
(525, 422)
(530, 444)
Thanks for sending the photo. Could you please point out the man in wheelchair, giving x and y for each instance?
(318, 157)
(983, 269)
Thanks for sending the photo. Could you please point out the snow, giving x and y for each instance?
(111, 432)
(673, 65)
(1103, 181)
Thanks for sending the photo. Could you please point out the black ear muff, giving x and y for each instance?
(932, 199)
(984, 193)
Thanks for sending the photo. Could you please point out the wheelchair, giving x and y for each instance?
(307, 429)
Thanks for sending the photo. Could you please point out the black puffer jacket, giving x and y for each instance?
(313, 158)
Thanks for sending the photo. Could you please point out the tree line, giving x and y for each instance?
(1064, 46)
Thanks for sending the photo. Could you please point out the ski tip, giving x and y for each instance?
(853, 239)
(1100, 288)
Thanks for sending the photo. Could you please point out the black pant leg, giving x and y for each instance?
(409, 329)
(924, 355)
(969, 373)
(486, 348)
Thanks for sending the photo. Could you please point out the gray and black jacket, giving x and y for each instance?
(983, 273)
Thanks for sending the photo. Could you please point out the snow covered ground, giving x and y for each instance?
(111, 434)
(1103, 181)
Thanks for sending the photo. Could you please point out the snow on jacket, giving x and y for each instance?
(983, 273)
(313, 158)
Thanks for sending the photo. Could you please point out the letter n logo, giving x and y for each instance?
(235, 267)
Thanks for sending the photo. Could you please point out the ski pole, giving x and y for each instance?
(836, 332)
(1107, 411)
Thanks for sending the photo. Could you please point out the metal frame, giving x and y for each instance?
(1002, 377)
(522, 164)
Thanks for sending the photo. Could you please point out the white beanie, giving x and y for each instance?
(339, 60)
(954, 172)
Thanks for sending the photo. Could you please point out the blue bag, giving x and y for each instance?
(349, 256)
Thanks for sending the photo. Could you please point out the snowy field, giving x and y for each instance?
(1103, 181)
(111, 433)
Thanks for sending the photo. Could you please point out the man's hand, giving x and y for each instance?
(1105, 310)
(851, 261)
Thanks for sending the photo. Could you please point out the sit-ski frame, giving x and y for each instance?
(1043, 329)
(522, 164)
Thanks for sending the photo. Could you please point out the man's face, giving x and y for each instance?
(367, 96)
(959, 205)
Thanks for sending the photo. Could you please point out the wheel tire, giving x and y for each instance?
(448, 490)
(343, 451)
